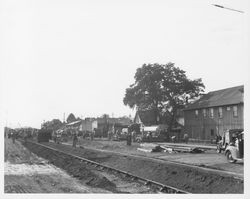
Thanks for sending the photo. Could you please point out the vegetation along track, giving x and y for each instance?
(170, 178)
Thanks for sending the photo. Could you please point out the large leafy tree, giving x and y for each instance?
(162, 88)
(146, 92)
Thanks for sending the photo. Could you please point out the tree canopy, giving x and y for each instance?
(71, 118)
(53, 124)
(105, 115)
(161, 88)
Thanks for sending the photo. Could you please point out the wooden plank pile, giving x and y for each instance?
(169, 149)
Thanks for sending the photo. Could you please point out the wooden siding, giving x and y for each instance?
(200, 127)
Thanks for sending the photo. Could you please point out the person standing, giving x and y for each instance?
(173, 138)
(92, 135)
(109, 135)
(129, 139)
(133, 135)
(58, 137)
(74, 140)
(186, 138)
(13, 137)
(54, 136)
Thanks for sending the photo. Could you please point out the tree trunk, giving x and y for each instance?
(156, 114)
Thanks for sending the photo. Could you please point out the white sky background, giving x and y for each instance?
(79, 56)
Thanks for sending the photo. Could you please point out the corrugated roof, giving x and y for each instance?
(73, 123)
(222, 97)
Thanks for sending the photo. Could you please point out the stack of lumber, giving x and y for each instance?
(150, 147)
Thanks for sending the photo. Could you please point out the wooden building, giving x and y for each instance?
(214, 113)
(148, 118)
(106, 124)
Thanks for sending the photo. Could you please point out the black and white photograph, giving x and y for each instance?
(124, 98)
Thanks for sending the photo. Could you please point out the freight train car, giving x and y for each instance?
(44, 135)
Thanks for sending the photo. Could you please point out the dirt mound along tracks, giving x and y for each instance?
(72, 163)
(185, 178)
(14, 189)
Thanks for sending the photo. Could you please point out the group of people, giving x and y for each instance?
(75, 137)
(57, 136)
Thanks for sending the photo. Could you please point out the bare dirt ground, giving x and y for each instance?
(180, 176)
(24, 172)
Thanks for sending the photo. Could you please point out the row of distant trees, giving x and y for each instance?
(162, 88)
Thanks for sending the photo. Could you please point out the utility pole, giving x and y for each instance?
(219, 6)
(6, 118)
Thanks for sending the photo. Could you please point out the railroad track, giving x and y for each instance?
(161, 187)
(214, 170)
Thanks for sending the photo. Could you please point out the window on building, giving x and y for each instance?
(228, 108)
(211, 112)
(220, 112)
(204, 112)
(235, 111)
(196, 113)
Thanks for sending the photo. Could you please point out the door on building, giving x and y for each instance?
(203, 133)
(211, 133)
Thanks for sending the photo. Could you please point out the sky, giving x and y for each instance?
(79, 56)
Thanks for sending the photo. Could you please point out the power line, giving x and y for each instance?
(219, 6)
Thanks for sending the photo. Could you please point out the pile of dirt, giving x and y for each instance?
(193, 180)
(17, 154)
(101, 182)
(75, 168)
(24, 172)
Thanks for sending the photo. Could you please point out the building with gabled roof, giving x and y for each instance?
(146, 117)
(214, 113)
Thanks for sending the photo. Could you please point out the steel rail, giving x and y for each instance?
(162, 187)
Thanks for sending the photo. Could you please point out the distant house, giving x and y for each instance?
(147, 118)
(74, 125)
(150, 117)
(106, 124)
(88, 125)
(214, 113)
